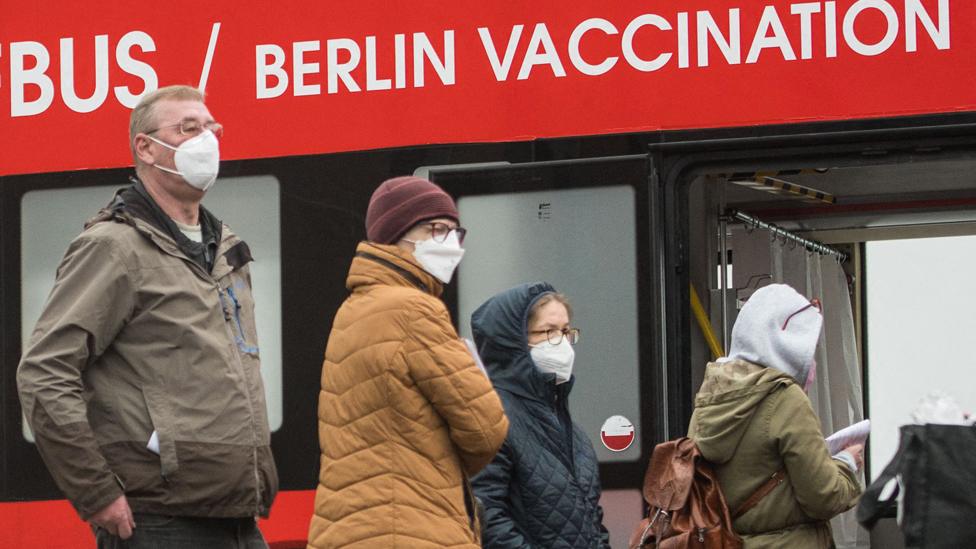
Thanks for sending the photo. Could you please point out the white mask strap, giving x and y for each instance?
(167, 145)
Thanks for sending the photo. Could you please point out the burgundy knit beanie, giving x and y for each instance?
(400, 203)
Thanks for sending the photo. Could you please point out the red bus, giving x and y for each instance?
(644, 145)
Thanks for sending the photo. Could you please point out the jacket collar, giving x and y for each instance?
(727, 401)
(387, 264)
(134, 206)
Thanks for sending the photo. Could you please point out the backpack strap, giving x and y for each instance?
(775, 480)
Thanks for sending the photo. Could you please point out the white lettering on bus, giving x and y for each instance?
(830, 29)
(30, 61)
(889, 38)
(68, 94)
(806, 11)
(272, 69)
(574, 47)
(344, 58)
(770, 33)
(683, 47)
(135, 67)
(342, 71)
(372, 82)
(648, 19)
(423, 49)
(915, 13)
(548, 56)
(502, 67)
(300, 68)
(730, 47)
(770, 21)
(21, 77)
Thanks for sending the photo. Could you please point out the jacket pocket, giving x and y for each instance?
(164, 424)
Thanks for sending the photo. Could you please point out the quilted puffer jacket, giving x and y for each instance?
(405, 415)
(543, 487)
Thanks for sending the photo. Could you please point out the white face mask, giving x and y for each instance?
(197, 159)
(554, 359)
(439, 258)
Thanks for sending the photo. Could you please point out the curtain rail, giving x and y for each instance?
(811, 245)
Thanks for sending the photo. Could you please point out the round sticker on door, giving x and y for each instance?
(617, 433)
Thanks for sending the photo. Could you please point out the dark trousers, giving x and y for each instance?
(167, 532)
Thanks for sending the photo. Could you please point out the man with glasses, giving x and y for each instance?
(405, 414)
(142, 378)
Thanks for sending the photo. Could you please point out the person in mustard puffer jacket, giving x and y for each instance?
(405, 414)
(752, 418)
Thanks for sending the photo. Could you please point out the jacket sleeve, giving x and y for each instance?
(445, 372)
(90, 302)
(498, 530)
(824, 487)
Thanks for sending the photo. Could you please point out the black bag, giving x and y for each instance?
(937, 464)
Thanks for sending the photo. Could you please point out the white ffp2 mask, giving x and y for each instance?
(197, 159)
(439, 258)
(554, 359)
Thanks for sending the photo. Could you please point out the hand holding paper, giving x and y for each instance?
(855, 434)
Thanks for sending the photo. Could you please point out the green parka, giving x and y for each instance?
(750, 421)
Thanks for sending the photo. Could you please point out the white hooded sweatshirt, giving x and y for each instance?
(759, 335)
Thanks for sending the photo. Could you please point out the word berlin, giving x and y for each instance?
(647, 42)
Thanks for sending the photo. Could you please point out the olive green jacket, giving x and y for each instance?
(751, 421)
(135, 337)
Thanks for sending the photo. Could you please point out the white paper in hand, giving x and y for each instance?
(474, 353)
(855, 434)
(153, 444)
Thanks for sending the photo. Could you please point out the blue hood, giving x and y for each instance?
(500, 326)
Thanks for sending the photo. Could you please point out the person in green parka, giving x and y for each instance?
(753, 418)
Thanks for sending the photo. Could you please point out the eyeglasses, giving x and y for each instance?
(193, 127)
(555, 336)
(813, 303)
(439, 231)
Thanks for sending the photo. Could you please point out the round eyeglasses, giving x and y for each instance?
(555, 336)
(193, 127)
(439, 231)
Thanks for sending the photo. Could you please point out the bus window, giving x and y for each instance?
(920, 307)
(50, 219)
(583, 242)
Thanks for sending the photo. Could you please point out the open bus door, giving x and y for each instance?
(824, 192)
(592, 229)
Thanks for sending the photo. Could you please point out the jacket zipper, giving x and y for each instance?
(239, 338)
(250, 404)
(562, 415)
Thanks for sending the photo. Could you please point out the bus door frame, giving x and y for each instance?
(676, 165)
(633, 170)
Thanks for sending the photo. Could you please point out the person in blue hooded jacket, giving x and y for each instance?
(543, 487)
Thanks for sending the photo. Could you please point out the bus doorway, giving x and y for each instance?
(825, 213)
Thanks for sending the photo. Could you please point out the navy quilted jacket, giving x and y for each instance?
(542, 490)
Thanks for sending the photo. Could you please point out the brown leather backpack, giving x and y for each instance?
(686, 504)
